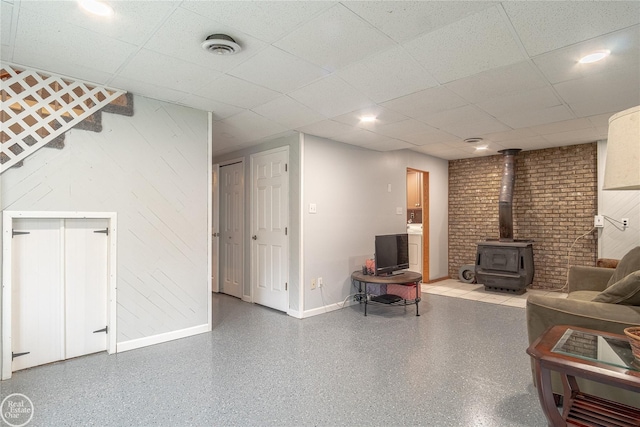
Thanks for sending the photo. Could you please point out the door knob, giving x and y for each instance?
(254, 237)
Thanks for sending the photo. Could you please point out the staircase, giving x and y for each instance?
(38, 109)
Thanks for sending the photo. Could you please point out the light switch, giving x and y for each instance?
(312, 208)
(399, 211)
(389, 188)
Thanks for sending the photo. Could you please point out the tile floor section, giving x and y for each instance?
(471, 291)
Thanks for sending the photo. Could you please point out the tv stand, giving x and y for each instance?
(404, 278)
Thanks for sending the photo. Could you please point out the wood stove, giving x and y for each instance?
(505, 265)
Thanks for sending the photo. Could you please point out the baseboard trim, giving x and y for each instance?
(160, 338)
(326, 309)
(295, 313)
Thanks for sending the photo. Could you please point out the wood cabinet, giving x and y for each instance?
(414, 190)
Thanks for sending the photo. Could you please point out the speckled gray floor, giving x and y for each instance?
(462, 363)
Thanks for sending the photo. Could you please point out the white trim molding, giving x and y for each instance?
(165, 337)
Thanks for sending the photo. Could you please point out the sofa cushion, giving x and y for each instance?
(627, 265)
(625, 291)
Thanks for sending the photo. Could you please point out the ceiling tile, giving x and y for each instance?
(425, 102)
(599, 86)
(331, 97)
(264, 20)
(132, 21)
(90, 50)
(278, 70)
(388, 75)
(441, 151)
(326, 129)
(360, 137)
(171, 39)
(147, 89)
(547, 25)
(509, 135)
(474, 44)
(233, 91)
(151, 67)
(572, 137)
(220, 110)
(288, 112)
(6, 16)
(600, 120)
(407, 19)
(465, 122)
(432, 136)
(564, 126)
(335, 38)
(611, 104)
(562, 64)
(498, 83)
(523, 119)
(389, 145)
(250, 126)
(404, 128)
(530, 100)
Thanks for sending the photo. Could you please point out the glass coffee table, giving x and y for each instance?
(584, 353)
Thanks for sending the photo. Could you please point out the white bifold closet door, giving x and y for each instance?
(59, 289)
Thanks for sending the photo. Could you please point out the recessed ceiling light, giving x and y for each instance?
(368, 119)
(594, 57)
(96, 7)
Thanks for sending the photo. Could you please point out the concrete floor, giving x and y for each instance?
(461, 363)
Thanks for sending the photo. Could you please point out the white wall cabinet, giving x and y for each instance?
(415, 252)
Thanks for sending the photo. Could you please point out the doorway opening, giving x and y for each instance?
(418, 213)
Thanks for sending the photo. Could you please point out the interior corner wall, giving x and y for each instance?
(152, 169)
(614, 241)
(349, 186)
(554, 201)
(293, 143)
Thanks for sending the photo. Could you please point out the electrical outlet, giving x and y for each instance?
(598, 221)
(319, 282)
(313, 284)
(625, 222)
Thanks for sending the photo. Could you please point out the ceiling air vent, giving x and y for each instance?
(221, 44)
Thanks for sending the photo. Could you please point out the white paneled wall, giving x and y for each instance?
(613, 240)
(152, 169)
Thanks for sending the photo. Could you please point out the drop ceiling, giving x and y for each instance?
(434, 73)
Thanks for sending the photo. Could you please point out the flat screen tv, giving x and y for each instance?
(392, 253)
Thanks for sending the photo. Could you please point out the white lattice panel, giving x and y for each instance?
(36, 108)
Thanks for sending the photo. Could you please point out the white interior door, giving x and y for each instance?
(231, 229)
(85, 261)
(215, 227)
(37, 300)
(270, 214)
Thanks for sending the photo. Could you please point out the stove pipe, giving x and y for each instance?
(505, 214)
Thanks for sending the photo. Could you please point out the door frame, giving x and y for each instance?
(252, 255)
(7, 226)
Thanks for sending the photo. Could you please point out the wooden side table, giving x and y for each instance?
(593, 355)
(404, 278)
